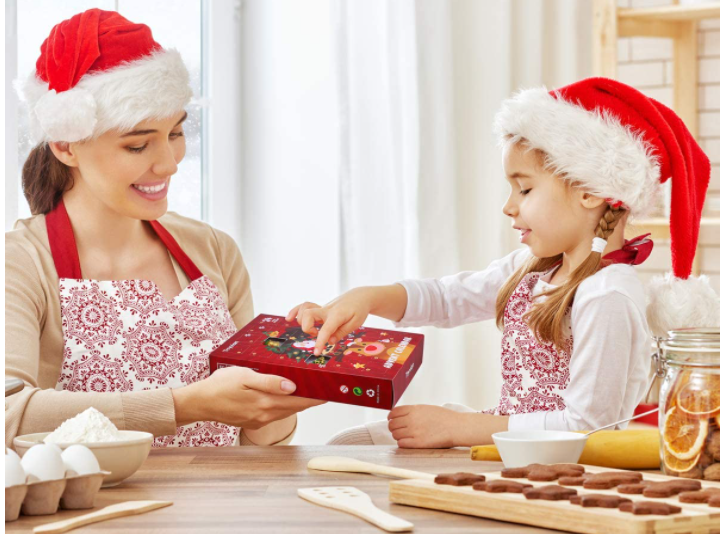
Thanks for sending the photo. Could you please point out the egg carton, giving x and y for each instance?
(46, 497)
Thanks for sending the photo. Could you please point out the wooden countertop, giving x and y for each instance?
(254, 489)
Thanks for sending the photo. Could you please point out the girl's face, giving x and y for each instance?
(552, 217)
(129, 173)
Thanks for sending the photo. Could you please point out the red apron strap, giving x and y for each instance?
(62, 243)
(185, 262)
(64, 248)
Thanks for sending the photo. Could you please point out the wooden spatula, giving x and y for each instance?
(109, 512)
(354, 501)
(351, 465)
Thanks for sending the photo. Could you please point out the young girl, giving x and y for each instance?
(575, 346)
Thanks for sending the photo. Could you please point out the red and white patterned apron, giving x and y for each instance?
(123, 335)
(535, 374)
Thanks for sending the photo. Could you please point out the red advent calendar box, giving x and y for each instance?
(369, 367)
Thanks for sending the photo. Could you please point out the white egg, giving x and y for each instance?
(43, 462)
(79, 460)
(12, 453)
(14, 472)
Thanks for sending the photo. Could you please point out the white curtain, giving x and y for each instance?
(418, 177)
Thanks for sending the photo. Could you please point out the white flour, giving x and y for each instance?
(91, 426)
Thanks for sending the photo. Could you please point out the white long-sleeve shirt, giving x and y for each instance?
(610, 362)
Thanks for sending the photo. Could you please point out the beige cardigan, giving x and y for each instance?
(34, 337)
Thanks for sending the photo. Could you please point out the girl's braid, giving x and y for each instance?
(608, 221)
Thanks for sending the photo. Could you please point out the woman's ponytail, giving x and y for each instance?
(44, 179)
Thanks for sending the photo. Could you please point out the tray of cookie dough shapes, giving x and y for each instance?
(574, 498)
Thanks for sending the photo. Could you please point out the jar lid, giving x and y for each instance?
(695, 340)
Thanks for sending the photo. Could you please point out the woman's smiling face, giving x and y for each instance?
(129, 172)
(548, 213)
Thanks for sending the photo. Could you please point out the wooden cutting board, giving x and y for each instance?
(560, 515)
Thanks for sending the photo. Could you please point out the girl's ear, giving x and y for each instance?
(65, 152)
(590, 201)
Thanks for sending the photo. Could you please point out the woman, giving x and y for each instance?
(111, 301)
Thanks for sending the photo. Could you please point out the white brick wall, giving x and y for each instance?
(646, 63)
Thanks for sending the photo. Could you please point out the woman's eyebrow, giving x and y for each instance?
(520, 175)
(145, 132)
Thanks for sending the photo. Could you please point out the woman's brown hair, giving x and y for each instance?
(44, 179)
(545, 318)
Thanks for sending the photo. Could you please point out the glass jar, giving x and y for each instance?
(688, 361)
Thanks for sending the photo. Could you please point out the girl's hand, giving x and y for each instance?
(238, 396)
(424, 427)
(339, 317)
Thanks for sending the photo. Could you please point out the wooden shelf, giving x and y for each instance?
(672, 13)
(676, 22)
(679, 23)
(668, 21)
(659, 227)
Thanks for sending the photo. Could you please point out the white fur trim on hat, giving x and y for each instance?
(676, 303)
(153, 87)
(592, 149)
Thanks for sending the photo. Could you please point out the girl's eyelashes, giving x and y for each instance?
(139, 149)
(524, 192)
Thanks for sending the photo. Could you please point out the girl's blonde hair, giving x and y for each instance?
(546, 318)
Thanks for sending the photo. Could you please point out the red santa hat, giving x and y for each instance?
(621, 145)
(97, 71)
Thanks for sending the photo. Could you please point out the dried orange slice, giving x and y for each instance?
(683, 435)
(700, 400)
(679, 466)
(681, 380)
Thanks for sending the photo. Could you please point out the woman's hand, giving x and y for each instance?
(239, 397)
(348, 312)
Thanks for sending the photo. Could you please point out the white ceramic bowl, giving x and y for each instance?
(520, 448)
(120, 458)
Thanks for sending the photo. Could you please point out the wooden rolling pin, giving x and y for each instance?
(351, 465)
(109, 512)
(620, 449)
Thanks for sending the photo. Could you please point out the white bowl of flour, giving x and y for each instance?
(121, 452)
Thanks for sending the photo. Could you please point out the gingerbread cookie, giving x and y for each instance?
(611, 479)
(543, 473)
(573, 481)
(632, 489)
(649, 508)
(709, 496)
(696, 473)
(549, 493)
(660, 490)
(501, 486)
(598, 500)
(712, 472)
(518, 472)
(458, 479)
(713, 445)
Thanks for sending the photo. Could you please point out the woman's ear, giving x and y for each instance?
(65, 152)
(590, 201)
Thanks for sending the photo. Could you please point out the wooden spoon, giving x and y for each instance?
(351, 465)
(109, 512)
(356, 502)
